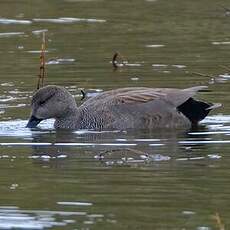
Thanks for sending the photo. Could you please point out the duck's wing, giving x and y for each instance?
(140, 95)
(110, 94)
(174, 97)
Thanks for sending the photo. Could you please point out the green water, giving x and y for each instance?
(161, 180)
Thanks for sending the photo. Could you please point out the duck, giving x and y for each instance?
(120, 109)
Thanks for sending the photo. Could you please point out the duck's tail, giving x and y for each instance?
(195, 110)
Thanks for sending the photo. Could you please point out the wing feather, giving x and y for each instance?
(135, 95)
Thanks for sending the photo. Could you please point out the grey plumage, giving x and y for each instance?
(125, 108)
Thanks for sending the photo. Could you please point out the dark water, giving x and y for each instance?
(161, 179)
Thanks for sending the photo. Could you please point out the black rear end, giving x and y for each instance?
(194, 110)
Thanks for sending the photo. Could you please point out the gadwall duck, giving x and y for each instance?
(124, 108)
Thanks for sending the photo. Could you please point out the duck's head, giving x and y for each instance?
(50, 102)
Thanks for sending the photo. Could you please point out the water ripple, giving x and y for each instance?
(38, 32)
(58, 61)
(198, 142)
(75, 203)
(221, 43)
(155, 46)
(68, 20)
(11, 217)
(14, 21)
(10, 34)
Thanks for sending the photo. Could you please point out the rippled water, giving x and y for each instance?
(139, 179)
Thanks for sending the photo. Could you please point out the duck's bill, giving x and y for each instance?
(33, 122)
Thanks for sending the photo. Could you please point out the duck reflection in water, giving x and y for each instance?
(134, 146)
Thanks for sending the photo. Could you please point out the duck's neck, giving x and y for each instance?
(68, 120)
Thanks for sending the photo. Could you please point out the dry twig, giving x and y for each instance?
(225, 67)
(202, 75)
(218, 220)
(42, 72)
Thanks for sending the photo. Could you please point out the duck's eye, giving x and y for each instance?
(44, 101)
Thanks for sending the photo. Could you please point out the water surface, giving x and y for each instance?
(139, 179)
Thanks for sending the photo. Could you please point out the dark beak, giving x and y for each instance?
(33, 122)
